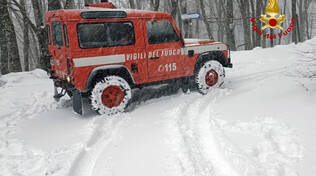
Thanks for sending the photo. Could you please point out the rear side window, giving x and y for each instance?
(57, 34)
(99, 35)
(161, 32)
(66, 36)
(48, 35)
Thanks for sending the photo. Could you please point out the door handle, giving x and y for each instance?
(154, 58)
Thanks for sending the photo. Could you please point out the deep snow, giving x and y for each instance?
(261, 122)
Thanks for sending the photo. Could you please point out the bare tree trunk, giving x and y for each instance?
(26, 39)
(4, 63)
(207, 25)
(264, 42)
(86, 2)
(70, 4)
(229, 25)
(41, 33)
(55, 4)
(221, 14)
(13, 50)
(154, 4)
(37, 8)
(132, 4)
(284, 8)
(34, 50)
(244, 10)
(39, 28)
(307, 4)
(197, 27)
(218, 19)
(186, 24)
(138, 4)
(179, 19)
(175, 13)
(294, 29)
(259, 4)
(253, 13)
(301, 35)
(174, 6)
(4, 54)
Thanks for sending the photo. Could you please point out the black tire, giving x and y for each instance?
(208, 76)
(111, 95)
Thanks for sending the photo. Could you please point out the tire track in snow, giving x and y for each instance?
(105, 131)
(279, 151)
(204, 149)
(195, 161)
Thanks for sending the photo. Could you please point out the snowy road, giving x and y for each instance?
(260, 123)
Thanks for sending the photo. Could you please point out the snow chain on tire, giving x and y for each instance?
(200, 75)
(96, 95)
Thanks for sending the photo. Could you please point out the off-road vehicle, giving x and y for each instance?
(103, 52)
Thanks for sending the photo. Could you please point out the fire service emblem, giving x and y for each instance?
(272, 18)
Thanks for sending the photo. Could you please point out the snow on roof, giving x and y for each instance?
(75, 14)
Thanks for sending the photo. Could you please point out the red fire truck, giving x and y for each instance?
(103, 53)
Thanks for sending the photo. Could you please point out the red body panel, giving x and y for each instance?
(173, 61)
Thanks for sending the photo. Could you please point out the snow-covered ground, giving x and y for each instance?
(261, 122)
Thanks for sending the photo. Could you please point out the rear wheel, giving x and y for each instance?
(210, 75)
(110, 95)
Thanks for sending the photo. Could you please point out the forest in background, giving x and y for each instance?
(23, 36)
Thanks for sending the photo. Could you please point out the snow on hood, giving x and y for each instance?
(194, 42)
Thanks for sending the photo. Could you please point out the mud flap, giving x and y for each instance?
(77, 102)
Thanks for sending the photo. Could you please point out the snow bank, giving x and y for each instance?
(260, 123)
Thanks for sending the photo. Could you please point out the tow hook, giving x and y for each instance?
(58, 95)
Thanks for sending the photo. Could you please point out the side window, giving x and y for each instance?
(161, 32)
(57, 34)
(49, 40)
(66, 36)
(108, 34)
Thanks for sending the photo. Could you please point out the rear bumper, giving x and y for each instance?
(65, 86)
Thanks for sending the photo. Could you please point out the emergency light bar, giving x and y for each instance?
(103, 14)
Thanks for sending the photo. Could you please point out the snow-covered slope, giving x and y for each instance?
(261, 122)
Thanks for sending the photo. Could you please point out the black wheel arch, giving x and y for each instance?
(210, 55)
(99, 73)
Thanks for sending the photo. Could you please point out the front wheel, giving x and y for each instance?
(210, 75)
(110, 95)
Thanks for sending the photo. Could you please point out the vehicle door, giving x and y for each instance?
(58, 48)
(164, 50)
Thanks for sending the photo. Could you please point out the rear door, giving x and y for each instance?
(58, 49)
(164, 50)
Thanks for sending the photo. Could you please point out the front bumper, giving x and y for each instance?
(229, 64)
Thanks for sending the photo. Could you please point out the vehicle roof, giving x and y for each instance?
(75, 14)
